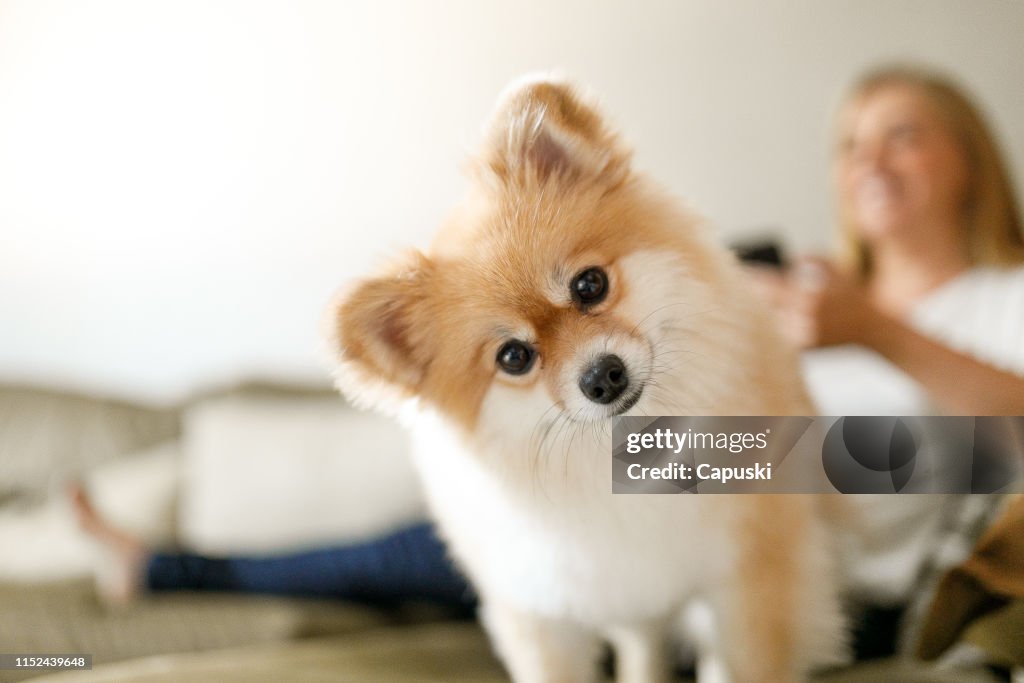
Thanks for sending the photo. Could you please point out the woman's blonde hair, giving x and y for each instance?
(992, 218)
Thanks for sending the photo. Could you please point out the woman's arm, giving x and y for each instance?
(959, 383)
(835, 309)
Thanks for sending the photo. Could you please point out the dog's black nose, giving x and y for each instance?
(605, 380)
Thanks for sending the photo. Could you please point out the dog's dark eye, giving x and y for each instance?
(516, 357)
(590, 287)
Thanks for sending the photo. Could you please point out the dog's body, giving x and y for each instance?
(567, 290)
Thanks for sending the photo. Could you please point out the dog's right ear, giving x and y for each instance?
(545, 129)
(382, 332)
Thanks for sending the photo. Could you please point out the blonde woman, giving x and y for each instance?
(932, 270)
(922, 312)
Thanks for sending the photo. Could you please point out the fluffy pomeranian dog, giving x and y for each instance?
(568, 289)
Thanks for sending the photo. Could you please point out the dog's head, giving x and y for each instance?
(560, 289)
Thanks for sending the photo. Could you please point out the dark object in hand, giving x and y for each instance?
(767, 252)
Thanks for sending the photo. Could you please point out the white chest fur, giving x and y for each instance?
(563, 544)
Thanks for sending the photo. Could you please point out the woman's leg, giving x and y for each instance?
(410, 564)
(120, 577)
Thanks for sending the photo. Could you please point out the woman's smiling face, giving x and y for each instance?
(900, 171)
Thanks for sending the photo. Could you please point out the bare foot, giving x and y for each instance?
(119, 580)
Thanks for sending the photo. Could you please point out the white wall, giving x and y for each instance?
(183, 184)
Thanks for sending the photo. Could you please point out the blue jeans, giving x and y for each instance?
(410, 564)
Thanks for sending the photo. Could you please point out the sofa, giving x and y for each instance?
(253, 469)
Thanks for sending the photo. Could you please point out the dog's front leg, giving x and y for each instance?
(641, 651)
(778, 608)
(536, 649)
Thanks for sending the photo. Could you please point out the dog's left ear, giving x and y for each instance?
(544, 130)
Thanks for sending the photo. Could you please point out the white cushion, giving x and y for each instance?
(265, 474)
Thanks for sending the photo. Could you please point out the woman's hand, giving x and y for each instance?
(818, 305)
(826, 307)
